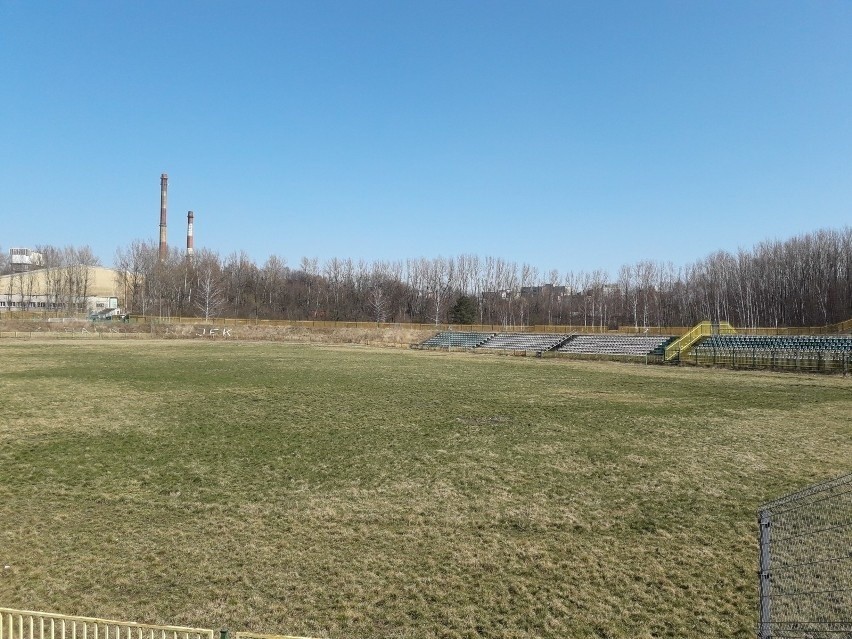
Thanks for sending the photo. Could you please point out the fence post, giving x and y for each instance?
(765, 628)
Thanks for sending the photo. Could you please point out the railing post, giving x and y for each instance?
(765, 627)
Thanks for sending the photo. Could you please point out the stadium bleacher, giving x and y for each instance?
(456, 339)
(822, 353)
(802, 352)
(777, 343)
(622, 345)
(538, 342)
(618, 345)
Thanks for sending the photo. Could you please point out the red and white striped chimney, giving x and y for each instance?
(164, 195)
(189, 238)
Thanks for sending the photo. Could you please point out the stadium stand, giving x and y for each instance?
(799, 352)
(454, 339)
(824, 353)
(617, 345)
(622, 345)
(660, 350)
(538, 342)
(778, 343)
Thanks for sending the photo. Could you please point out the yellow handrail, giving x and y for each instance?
(683, 343)
(31, 624)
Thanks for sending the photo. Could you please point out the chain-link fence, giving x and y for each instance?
(790, 360)
(806, 563)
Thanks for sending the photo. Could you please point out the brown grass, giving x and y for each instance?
(348, 491)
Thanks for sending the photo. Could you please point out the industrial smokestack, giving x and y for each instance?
(189, 239)
(164, 195)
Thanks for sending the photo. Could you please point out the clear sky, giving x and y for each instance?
(570, 135)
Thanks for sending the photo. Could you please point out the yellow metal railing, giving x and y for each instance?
(29, 624)
(682, 344)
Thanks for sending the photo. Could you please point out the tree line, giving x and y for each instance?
(802, 281)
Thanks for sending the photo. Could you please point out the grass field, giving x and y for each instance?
(359, 493)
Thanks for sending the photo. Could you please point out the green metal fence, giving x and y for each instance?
(801, 361)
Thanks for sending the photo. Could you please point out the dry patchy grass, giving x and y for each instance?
(350, 492)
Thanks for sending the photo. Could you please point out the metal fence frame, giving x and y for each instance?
(31, 624)
(779, 360)
(805, 559)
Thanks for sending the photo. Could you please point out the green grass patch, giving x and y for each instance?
(350, 492)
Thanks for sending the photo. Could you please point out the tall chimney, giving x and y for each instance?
(189, 239)
(164, 194)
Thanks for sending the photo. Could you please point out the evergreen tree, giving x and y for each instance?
(463, 311)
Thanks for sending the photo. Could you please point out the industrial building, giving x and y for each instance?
(93, 290)
(73, 289)
(24, 259)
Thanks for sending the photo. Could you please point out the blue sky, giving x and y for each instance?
(569, 135)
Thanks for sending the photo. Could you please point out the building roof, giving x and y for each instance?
(103, 282)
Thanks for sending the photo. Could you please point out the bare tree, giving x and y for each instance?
(803, 280)
(210, 299)
(273, 281)
(629, 293)
(378, 302)
(644, 273)
(439, 278)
